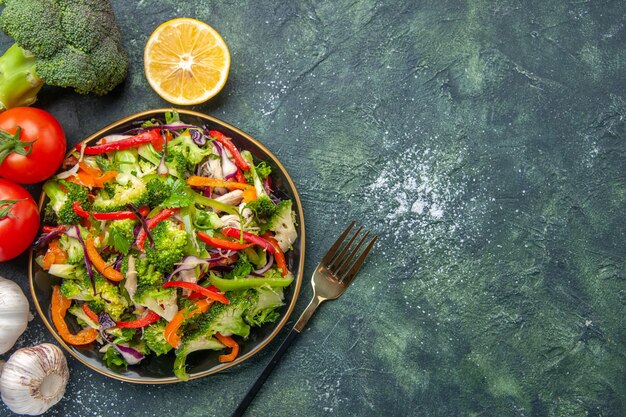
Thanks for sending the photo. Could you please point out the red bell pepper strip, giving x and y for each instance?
(151, 223)
(228, 342)
(239, 161)
(221, 243)
(144, 321)
(249, 237)
(79, 210)
(279, 256)
(131, 142)
(239, 177)
(195, 295)
(90, 313)
(215, 296)
(121, 215)
(50, 229)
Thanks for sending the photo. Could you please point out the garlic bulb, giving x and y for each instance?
(34, 379)
(13, 313)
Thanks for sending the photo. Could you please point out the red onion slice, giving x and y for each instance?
(267, 266)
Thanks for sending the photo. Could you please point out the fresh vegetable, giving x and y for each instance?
(13, 313)
(206, 292)
(152, 223)
(249, 193)
(244, 283)
(106, 270)
(19, 220)
(249, 237)
(221, 138)
(222, 243)
(279, 256)
(34, 379)
(147, 237)
(228, 342)
(32, 145)
(77, 46)
(171, 330)
(60, 304)
(151, 136)
(63, 197)
(154, 336)
(146, 320)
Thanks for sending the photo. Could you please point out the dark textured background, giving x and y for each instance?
(484, 140)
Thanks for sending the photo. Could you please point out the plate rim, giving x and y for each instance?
(221, 367)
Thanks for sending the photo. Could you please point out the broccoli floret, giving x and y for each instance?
(80, 314)
(154, 337)
(113, 360)
(222, 318)
(283, 224)
(242, 268)
(74, 250)
(150, 292)
(121, 335)
(263, 208)
(62, 195)
(185, 146)
(67, 44)
(122, 234)
(114, 303)
(177, 163)
(265, 309)
(169, 245)
(262, 169)
(118, 196)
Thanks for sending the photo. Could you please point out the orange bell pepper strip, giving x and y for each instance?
(279, 256)
(96, 260)
(90, 170)
(59, 307)
(104, 178)
(171, 330)
(249, 193)
(54, 255)
(228, 342)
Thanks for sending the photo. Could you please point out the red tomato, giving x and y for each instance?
(19, 221)
(47, 151)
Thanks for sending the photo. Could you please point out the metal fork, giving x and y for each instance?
(331, 278)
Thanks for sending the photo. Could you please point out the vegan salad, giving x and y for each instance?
(167, 238)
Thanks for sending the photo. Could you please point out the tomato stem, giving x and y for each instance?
(6, 206)
(12, 143)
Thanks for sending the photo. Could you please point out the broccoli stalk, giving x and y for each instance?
(77, 47)
(19, 84)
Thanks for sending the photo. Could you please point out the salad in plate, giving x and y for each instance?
(167, 239)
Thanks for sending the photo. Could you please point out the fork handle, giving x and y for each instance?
(304, 318)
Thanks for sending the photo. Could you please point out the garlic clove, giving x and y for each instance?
(14, 314)
(34, 379)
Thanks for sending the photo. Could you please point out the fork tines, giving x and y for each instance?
(340, 259)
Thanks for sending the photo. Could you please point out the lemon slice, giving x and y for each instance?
(186, 61)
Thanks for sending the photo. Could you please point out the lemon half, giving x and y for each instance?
(186, 61)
